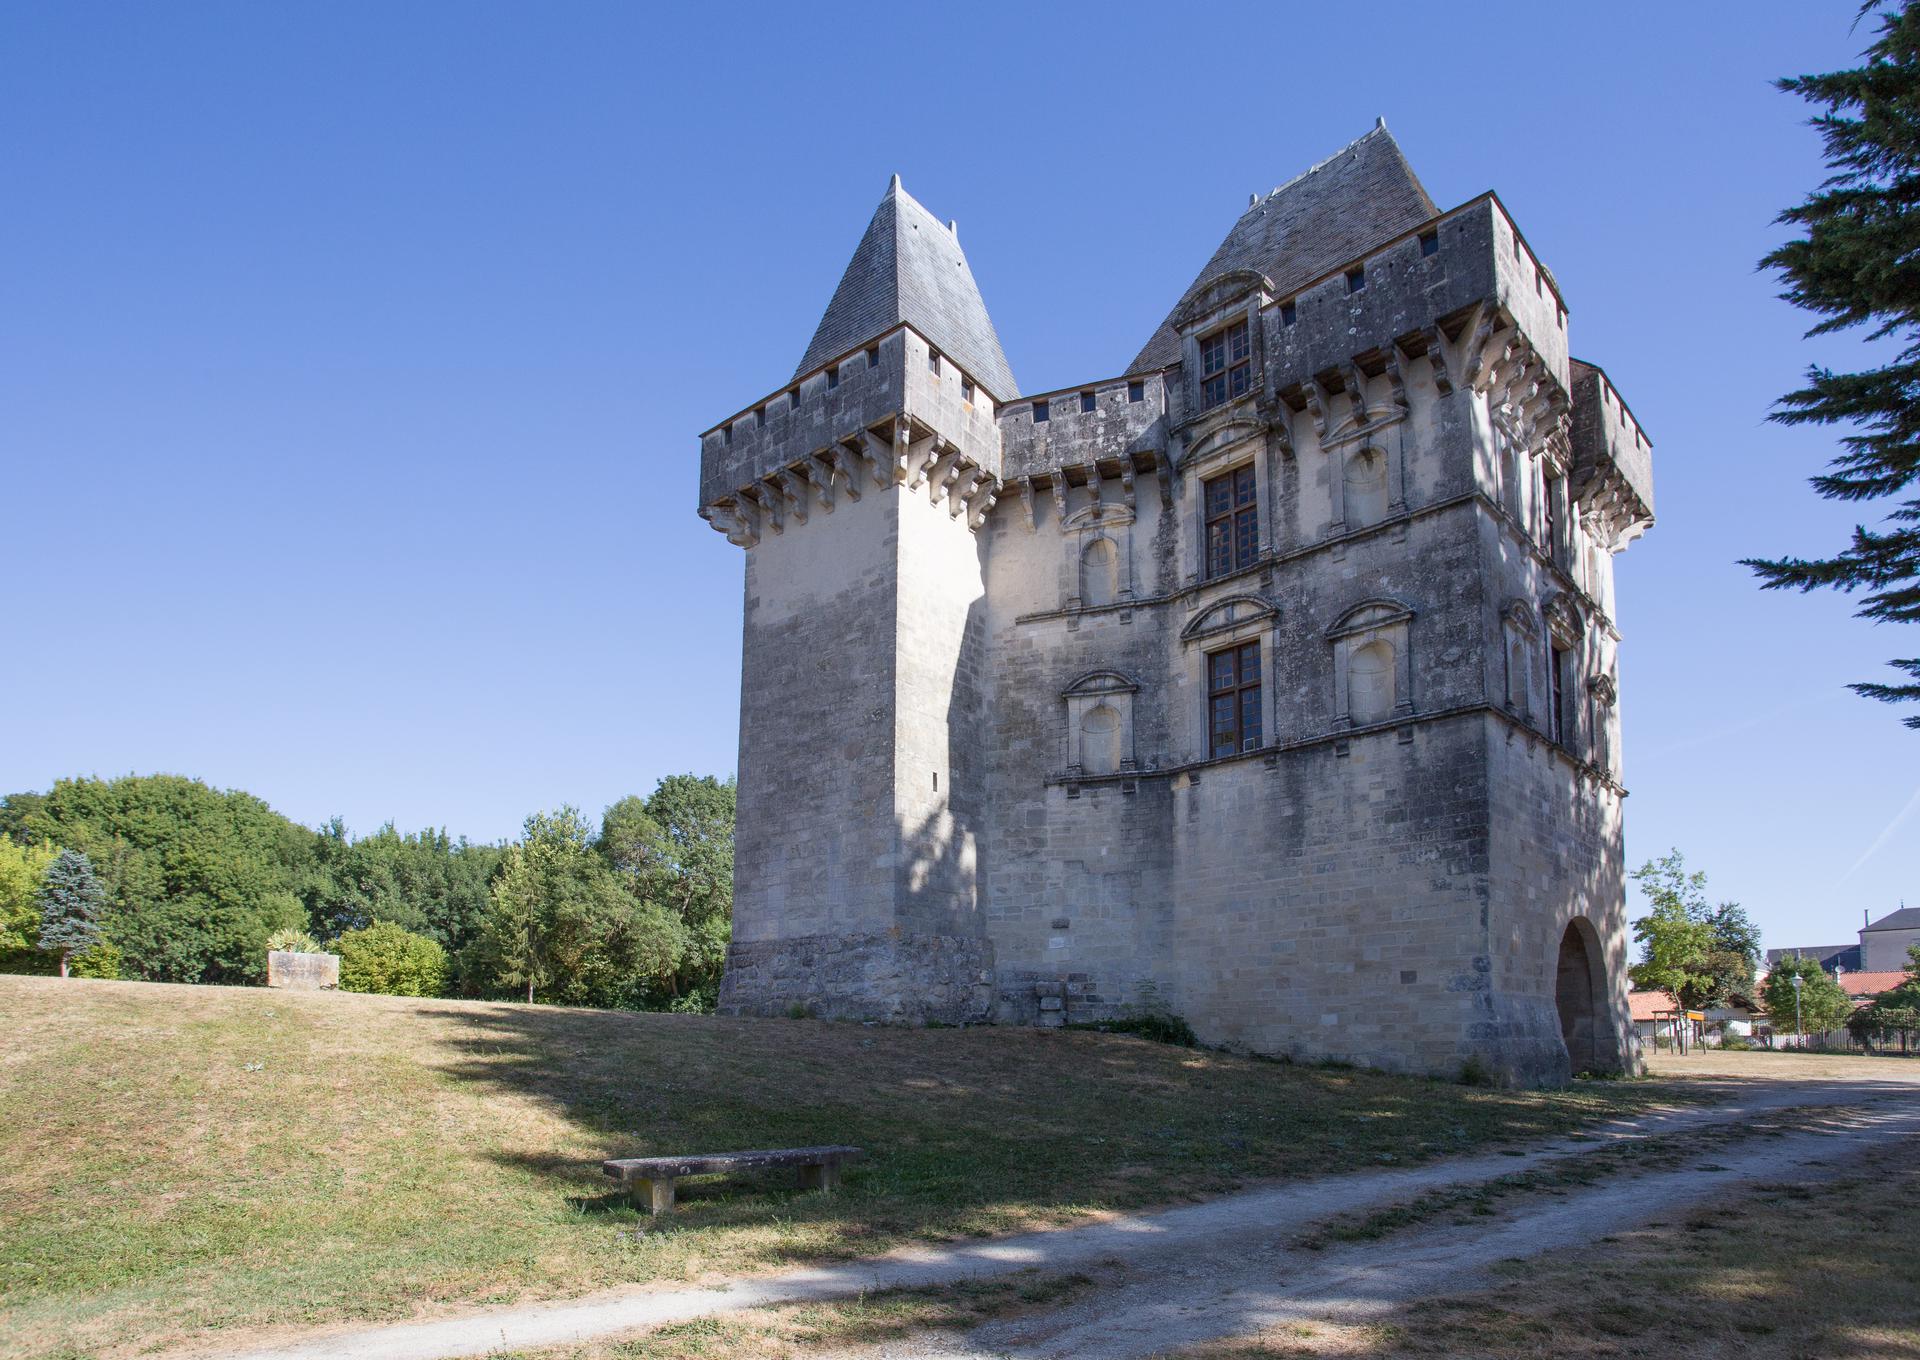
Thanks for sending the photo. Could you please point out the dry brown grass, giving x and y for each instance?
(182, 1161)
(1785, 1272)
(1759, 1065)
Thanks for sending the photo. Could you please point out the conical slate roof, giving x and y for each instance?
(909, 267)
(1363, 194)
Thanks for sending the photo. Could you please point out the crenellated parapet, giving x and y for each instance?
(893, 413)
(1612, 458)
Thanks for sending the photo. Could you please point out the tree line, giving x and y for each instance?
(194, 882)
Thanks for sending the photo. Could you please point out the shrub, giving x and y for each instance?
(385, 958)
(1162, 1027)
(293, 942)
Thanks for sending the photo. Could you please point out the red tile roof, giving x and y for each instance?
(1649, 1005)
(1869, 984)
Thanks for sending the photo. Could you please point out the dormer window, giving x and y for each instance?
(1226, 365)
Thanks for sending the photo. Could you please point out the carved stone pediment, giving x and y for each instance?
(1100, 682)
(1216, 293)
(1369, 615)
(1235, 611)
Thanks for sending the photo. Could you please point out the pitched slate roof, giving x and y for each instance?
(1907, 918)
(1828, 956)
(909, 267)
(1362, 195)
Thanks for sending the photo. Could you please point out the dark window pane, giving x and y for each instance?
(1249, 719)
(1213, 391)
(1222, 670)
(1250, 664)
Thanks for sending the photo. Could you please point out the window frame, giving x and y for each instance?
(1232, 346)
(1241, 519)
(1246, 699)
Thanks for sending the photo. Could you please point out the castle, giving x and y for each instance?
(1270, 681)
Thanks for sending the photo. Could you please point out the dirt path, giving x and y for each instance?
(1221, 1268)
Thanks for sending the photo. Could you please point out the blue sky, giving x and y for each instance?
(352, 358)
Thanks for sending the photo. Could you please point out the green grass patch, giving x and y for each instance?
(182, 1161)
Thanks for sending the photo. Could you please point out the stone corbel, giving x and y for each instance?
(955, 482)
(770, 506)
(1396, 381)
(1474, 356)
(820, 473)
(1093, 485)
(1437, 360)
(1126, 485)
(1317, 408)
(1357, 388)
(794, 489)
(980, 503)
(1060, 495)
(919, 462)
(1026, 499)
(847, 462)
(879, 456)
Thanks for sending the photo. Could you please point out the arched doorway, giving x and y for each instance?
(1580, 994)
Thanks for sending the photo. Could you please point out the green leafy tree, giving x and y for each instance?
(196, 878)
(1823, 1006)
(1894, 1012)
(1857, 263)
(385, 958)
(674, 850)
(560, 924)
(1703, 955)
(426, 881)
(23, 868)
(71, 905)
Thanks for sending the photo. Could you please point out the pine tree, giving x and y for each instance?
(1858, 264)
(71, 901)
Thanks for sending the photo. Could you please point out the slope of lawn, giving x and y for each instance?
(183, 1161)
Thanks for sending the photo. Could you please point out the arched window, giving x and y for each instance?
(1370, 682)
(1100, 739)
(1366, 488)
(1099, 572)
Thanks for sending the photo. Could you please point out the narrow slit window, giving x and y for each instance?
(1429, 243)
(873, 356)
(833, 378)
(933, 362)
(966, 390)
(1288, 313)
(1356, 279)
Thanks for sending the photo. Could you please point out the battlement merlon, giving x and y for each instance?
(887, 412)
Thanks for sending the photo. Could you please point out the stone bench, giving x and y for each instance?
(652, 1178)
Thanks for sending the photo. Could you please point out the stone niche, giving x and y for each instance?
(302, 972)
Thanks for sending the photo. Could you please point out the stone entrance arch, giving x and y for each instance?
(1580, 994)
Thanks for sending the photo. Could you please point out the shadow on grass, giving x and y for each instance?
(971, 1131)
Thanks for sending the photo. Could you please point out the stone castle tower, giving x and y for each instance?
(1269, 681)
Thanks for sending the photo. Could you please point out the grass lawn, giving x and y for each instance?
(180, 1160)
(1782, 1272)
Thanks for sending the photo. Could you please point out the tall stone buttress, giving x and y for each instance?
(1271, 681)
